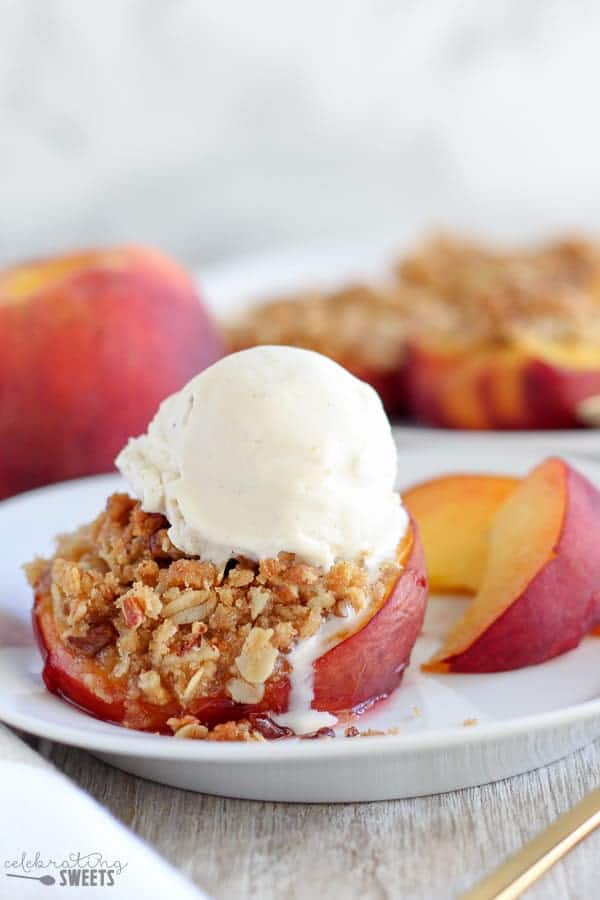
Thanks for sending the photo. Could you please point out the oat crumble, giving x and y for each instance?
(448, 290)
(176, 630)
(334, 324)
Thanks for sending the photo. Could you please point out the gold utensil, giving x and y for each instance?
(520, 871)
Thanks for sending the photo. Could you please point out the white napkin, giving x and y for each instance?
(51, 829)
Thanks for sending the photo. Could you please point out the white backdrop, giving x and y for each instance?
(213, 127)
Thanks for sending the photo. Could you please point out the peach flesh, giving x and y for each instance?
(454, 514)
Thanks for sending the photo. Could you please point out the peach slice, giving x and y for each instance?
(454, 514)
(365, 666)
(540, 590)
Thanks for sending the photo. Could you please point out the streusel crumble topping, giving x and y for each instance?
(448, 289)
(176, 628)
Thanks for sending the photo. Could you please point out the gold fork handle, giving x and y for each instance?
(520, 871)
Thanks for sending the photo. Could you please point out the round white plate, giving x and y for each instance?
(230, 287)
(524, 719)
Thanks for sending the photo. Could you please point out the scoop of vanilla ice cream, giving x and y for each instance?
(272, 449)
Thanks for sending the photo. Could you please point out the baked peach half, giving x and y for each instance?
(512, 336)
(539, 592)
(147, 658)
(454, 514)
(90, 344)
(529, 386)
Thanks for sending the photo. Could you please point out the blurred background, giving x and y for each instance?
(210, 129)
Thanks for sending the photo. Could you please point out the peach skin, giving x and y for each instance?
(503, 387)
(89, 345)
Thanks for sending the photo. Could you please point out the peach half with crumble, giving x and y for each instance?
(264, 579)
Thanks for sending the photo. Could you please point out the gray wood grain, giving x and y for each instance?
(429, 848)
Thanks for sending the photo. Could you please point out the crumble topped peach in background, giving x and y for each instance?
(548, 292)
(461, 335)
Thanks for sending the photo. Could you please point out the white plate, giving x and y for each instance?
(525, 719)
(230, 287)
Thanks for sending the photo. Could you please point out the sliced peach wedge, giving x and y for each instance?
(540, 589)
(454, 514)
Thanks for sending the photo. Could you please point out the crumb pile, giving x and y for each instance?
(176, 629)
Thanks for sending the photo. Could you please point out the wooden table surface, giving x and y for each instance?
(422, 849)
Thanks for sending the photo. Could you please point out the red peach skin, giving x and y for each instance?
(555, 392)
(495, 388)
(90, 344)
(540, 591)
(369, 664)
(363, 668)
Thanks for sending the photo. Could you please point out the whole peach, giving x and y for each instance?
(89, 346)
